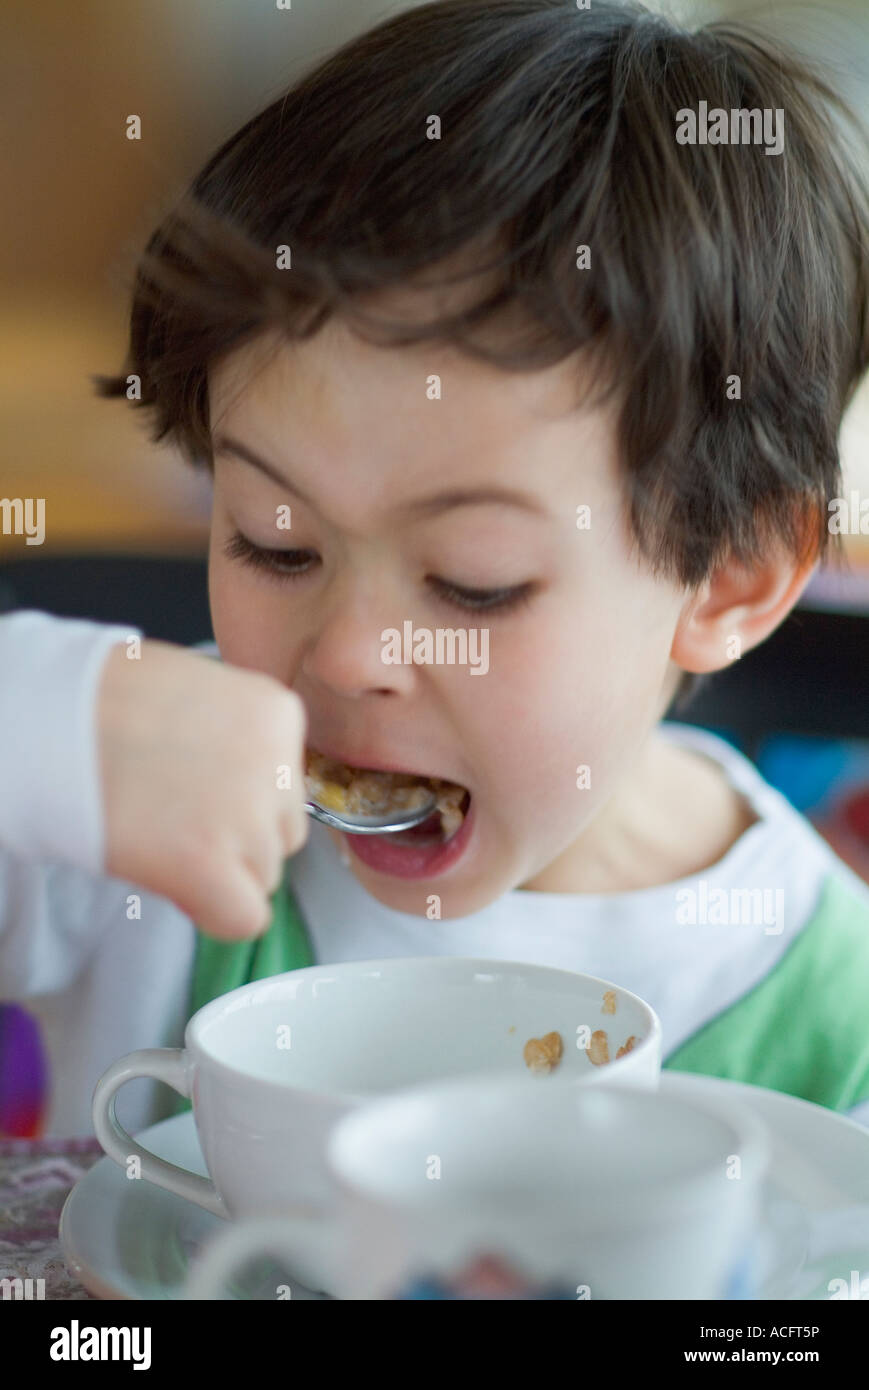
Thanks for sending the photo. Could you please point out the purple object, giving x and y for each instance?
(23, 1074)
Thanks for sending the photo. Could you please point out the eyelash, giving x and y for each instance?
(273, 563)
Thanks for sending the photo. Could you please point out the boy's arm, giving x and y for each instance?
(53, 901)
(109, 766)
(50, 803)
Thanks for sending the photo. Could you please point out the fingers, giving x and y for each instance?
(233, 905)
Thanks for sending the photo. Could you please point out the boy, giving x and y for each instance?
(474, 346)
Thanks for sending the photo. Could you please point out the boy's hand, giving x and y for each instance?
(190, 752)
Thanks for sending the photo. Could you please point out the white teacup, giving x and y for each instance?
(272, 1066)
(490, 1187)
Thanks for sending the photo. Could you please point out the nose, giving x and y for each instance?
(345, 653)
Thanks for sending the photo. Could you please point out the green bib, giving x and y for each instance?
(220, 966)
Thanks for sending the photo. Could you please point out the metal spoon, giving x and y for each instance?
(372, 825)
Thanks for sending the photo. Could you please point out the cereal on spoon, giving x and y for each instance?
(368, 792)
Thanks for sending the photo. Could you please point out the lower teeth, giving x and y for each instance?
(431, 831)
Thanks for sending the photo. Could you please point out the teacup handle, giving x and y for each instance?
(252, 1239)
(169, 1064)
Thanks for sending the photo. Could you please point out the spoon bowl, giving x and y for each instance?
(372, 825)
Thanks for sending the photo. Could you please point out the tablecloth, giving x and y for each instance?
(36, 1176)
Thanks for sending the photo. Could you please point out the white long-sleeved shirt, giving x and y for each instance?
(101, 982)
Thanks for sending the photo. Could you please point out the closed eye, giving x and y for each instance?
(295, 564)
(482, 599)
(285, 564)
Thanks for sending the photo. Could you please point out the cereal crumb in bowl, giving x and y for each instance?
(543, 1054)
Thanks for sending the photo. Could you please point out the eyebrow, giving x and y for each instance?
(434, 505)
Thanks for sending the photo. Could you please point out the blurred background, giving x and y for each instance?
(82, 200)
(126, 522)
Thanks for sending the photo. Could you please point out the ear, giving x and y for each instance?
(737, 609)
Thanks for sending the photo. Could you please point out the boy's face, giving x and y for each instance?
(578, 671)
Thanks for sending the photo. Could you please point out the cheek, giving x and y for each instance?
(567, 701)
(247, 618)
(226, 599)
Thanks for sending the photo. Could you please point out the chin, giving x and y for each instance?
(456, 900)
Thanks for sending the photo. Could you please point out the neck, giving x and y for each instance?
(673, 815)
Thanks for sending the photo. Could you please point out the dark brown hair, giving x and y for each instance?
(558, 129)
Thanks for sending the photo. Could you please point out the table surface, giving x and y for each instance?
(36, 1176)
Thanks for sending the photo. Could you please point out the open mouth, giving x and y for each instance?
(369, 791)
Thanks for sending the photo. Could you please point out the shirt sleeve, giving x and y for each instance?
(50, 792)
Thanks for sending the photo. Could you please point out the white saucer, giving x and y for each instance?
(125, 1239)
